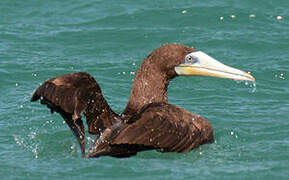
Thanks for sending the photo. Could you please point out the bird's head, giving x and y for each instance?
(180, 60)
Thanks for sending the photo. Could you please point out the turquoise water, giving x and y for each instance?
(109, 39)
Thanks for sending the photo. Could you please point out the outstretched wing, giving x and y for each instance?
(157, 126)
(70, 95)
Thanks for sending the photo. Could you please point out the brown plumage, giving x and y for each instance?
(153, 76)
(71, 94)
(148, 121)
(155, 126)
(158, 126)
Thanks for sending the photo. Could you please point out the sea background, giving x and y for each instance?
(109, 39)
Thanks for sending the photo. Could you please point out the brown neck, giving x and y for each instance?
(153, 77)
(150, 85)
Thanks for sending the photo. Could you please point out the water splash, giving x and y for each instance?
(32, 135)
(31, 147)
(253, 86)
(91, 141)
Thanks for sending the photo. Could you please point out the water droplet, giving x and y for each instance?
(34, 151)
(279, 17)
(254, 87)
(252, 16)
(32, 135)
(201, 153)
(221, 18)
(184, 11)
(232, 133)
(73, 147)
(281, 76)
(16, 84)
(251, 84)
(233, 16)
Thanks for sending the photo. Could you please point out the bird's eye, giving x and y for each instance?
(191, 60)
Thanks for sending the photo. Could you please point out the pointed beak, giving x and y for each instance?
(204, 65)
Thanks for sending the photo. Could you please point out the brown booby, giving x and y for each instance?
(148, 121)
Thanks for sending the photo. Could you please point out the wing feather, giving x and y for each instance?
(70, 95)
(162, 126)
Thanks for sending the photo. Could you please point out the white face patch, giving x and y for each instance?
(204, 60)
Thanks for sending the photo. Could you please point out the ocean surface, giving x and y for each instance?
(109, 39)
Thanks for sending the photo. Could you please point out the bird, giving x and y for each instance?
(148, 121)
